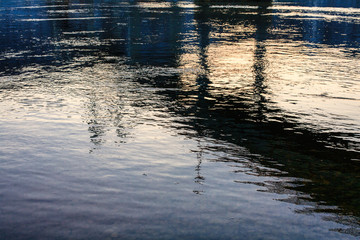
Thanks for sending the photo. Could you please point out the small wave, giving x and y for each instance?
(82, 32)
(318, 9)
(50, 6)
(60, 19)
(235, 6)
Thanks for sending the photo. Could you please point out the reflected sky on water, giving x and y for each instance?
(179, 119)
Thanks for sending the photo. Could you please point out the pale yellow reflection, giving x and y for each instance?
(317, 84)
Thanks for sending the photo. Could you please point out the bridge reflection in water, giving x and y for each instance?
(230, 77)
(226, 100)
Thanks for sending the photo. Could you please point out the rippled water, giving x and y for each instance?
(179, 119)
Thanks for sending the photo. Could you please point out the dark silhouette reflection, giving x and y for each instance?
(153, 36)
(244, 117)
(260, 61)
(297, 153)
(318, 168)
(96, 128)
(199, 178)
(324, 177)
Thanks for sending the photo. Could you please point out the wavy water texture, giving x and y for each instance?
(179, 119)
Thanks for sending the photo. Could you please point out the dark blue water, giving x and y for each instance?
(179, 119)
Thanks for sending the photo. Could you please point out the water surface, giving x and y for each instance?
(179, 119)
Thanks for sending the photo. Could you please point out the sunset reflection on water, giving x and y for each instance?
(175, 120)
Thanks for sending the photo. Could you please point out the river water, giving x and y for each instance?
(179, 119)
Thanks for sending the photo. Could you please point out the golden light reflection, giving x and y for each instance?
(314, 83)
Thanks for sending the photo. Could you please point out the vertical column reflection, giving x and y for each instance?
(262, 23)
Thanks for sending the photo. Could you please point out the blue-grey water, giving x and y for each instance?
(179, 119)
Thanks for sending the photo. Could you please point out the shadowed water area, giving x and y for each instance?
(179, 119)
